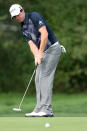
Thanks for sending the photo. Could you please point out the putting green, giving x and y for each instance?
(38, 124)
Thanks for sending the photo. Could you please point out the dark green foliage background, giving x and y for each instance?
(68, 19)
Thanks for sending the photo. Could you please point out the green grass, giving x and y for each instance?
(38, 124)
(64, 105)
(70, 112)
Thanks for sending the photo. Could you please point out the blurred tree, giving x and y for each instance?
(68, 19)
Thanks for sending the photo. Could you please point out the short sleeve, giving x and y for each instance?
(26, 36)
(38, 20)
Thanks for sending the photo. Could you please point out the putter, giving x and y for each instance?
(19, 108)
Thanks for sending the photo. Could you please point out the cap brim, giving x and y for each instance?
(15, 14)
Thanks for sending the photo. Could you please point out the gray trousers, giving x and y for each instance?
(44, 78)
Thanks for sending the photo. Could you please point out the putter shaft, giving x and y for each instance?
(27, 88)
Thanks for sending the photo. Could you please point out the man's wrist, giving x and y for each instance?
(41, 50)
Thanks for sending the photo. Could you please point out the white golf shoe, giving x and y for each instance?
(32, 114)
(39, 114)
(43, 114)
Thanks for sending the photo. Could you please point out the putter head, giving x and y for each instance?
(16, 109)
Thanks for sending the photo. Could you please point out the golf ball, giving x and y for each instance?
(47, 125)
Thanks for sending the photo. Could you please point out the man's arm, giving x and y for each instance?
(44, 38)
(33, 48)
(38, 53)
(34, 51)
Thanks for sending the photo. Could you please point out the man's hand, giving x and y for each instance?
(36, 60)
(39, 58)
(41, 54)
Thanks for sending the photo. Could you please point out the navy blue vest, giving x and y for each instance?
(30, 29)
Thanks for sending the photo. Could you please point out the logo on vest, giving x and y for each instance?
(40, 22)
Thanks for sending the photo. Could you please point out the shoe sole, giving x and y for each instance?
(41, 116)
(47, 116)
(30, 116)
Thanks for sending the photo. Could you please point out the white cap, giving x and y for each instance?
(15, 10)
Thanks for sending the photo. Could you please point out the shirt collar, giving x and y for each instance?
(26, 18)
(26, 21)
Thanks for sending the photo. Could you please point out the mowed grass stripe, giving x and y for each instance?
(38, 124)
(70, 105)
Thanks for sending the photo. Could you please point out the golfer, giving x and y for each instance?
(46, 51)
